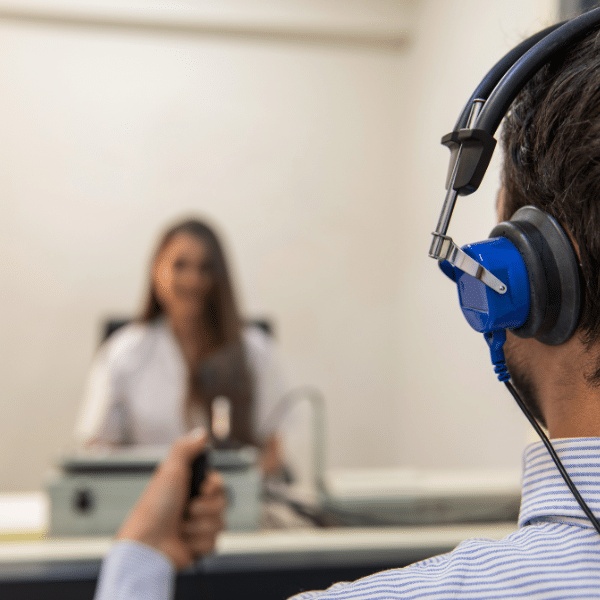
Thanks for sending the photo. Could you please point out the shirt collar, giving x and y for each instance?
(545, 494)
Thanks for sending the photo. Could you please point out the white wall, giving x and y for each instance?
(317, 156)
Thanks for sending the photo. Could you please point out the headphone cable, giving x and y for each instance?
(586, 509)
(495, 340)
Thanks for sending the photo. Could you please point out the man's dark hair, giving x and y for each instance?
(551, 143)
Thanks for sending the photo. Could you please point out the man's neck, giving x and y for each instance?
(570, 401)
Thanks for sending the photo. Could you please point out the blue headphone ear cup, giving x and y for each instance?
(552, 268)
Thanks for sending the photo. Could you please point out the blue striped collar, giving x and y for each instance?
(545, 494)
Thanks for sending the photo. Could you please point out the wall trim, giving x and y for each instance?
(190, 22)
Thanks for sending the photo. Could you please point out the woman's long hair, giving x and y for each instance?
(225, 371)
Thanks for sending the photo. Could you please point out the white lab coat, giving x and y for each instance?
(137, 386)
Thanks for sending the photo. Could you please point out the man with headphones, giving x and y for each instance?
(533, 289)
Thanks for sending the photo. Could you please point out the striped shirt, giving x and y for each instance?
(554, 554)
(133, 571)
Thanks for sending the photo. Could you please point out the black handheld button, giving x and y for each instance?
(198, 474)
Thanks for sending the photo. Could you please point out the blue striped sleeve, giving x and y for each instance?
(132, 571)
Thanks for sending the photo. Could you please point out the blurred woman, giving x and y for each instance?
(156, 378)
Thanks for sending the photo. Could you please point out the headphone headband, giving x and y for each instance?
(529, 64)
(495, 74)
(472, 141)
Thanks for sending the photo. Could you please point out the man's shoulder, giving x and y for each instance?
(517, 565)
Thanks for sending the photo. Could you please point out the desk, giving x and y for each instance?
(266, 564)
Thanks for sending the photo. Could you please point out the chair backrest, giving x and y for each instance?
(112, 324)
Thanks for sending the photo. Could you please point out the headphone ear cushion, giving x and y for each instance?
(552, 268)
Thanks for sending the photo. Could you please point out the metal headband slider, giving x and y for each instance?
(444, 248)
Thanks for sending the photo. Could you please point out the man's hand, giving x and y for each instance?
(162, 517)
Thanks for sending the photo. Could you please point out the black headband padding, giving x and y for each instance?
(529, 64)
(495, 74)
